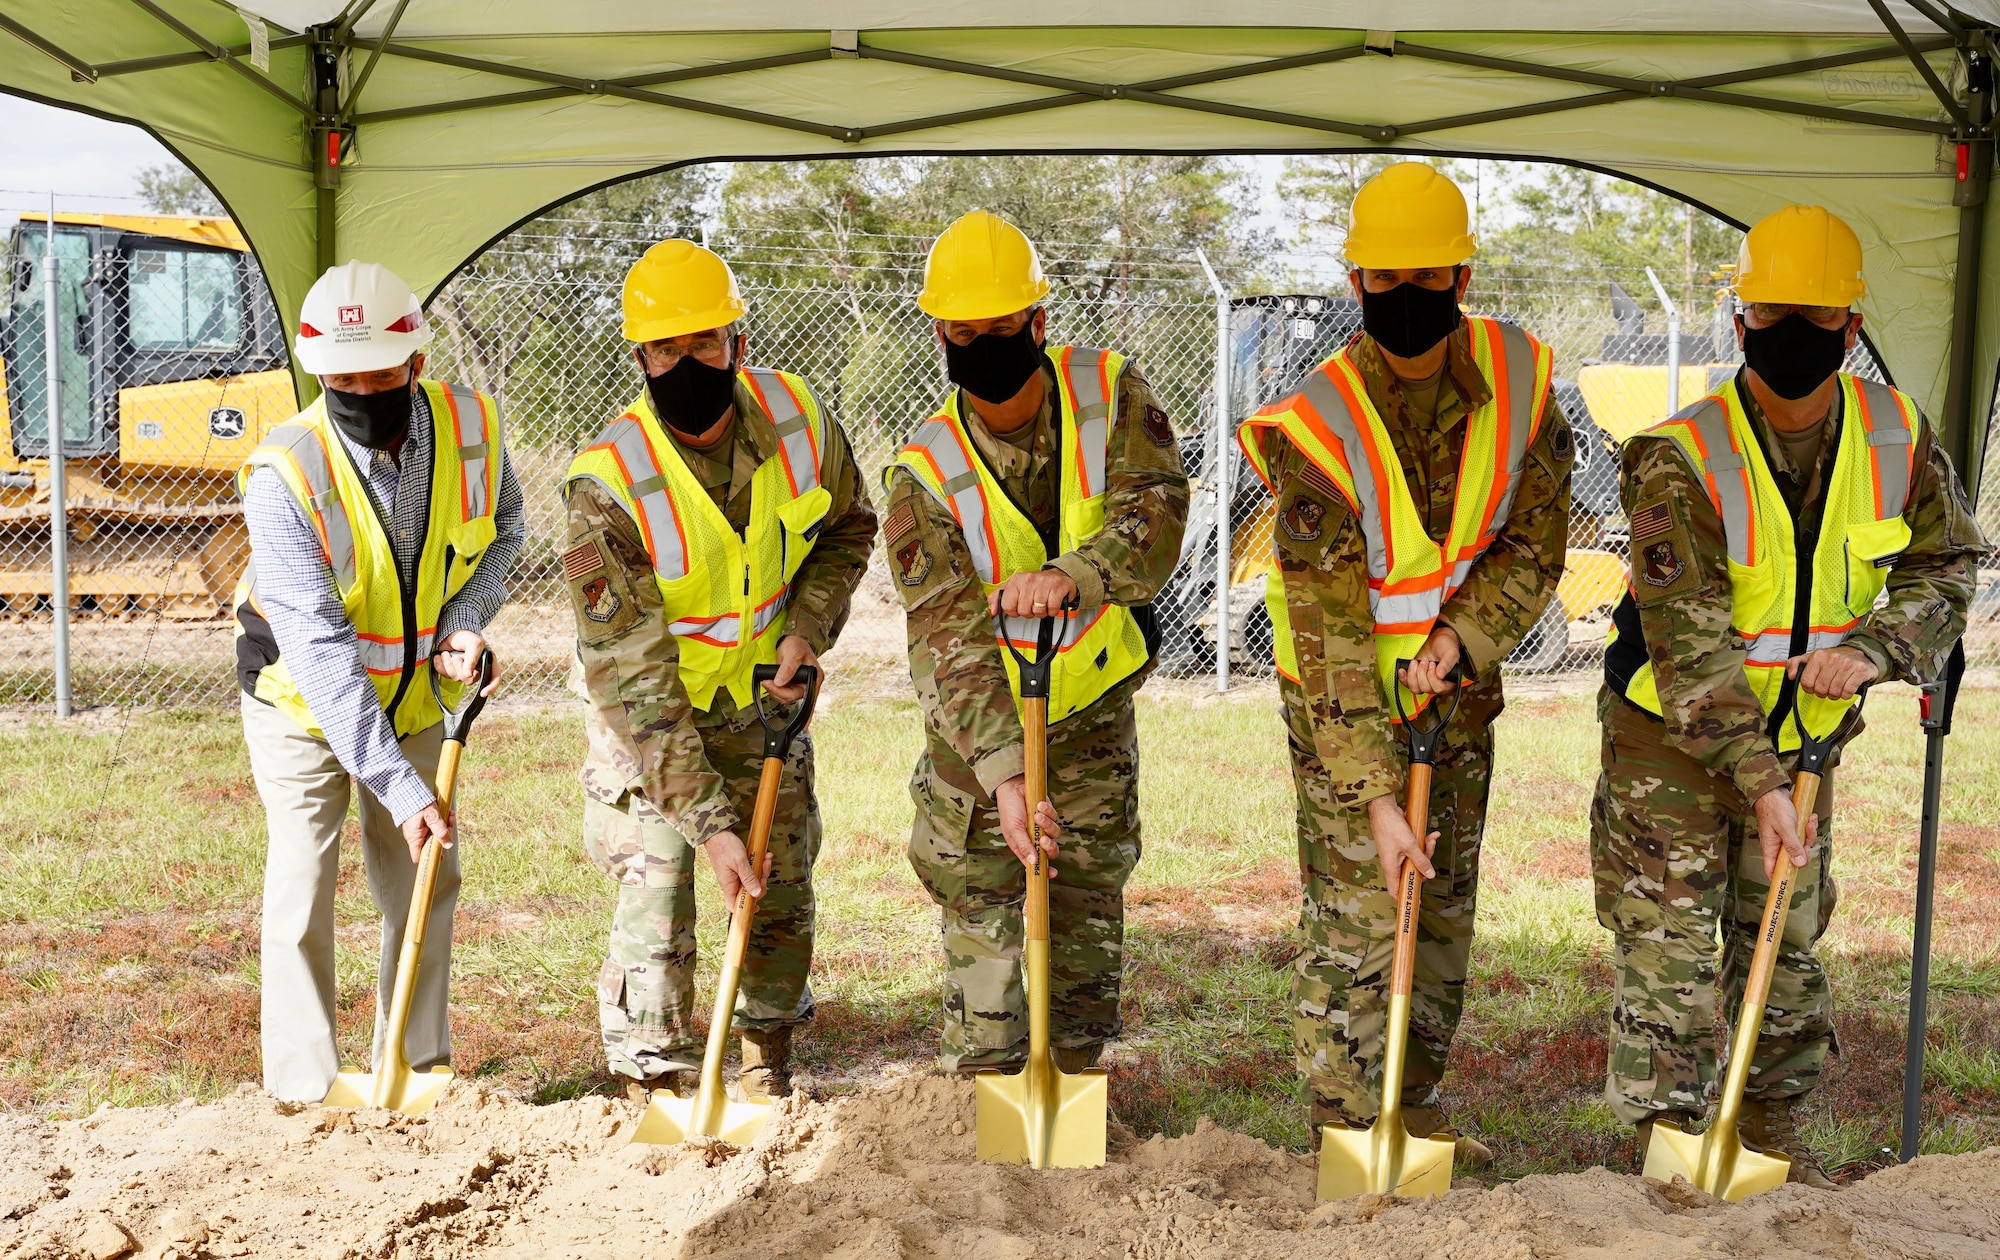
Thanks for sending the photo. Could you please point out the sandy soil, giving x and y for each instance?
(885, 1173)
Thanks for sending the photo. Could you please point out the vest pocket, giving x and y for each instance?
(1871, 549)
(800, 520)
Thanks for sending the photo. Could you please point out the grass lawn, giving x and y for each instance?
(131, 854)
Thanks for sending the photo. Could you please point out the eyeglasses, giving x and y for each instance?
(666, 356)
(1772, 312)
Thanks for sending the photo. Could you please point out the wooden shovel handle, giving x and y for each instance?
(1416, 810)
(1035, 753)
(761, 817)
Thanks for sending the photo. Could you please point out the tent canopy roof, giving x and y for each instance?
(454, 120)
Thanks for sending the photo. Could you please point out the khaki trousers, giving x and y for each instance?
(305, 793)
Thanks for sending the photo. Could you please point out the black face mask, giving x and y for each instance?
(691, 396)
(1409, 319)
(377, 421)
(993, 368)
(1794, 356)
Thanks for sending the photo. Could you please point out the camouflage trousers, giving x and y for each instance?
(959, 854)
(645, 990)
(1677, 865)
(1340, 980)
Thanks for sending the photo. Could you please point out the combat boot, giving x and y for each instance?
(1768, 1128)
(1424, 1121)
(1682, 1120)
(1074, 1059)
(767, 1062)
(679, 1082)
(1324, 1113)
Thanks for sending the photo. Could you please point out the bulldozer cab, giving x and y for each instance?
(171, 363)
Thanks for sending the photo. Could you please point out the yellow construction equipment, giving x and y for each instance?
(173, 367)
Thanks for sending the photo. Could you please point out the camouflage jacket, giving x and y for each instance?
(973, 731)
(1697, 658)
(1323, 555)
(644, 733)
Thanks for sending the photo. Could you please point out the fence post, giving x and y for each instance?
(1224, 466)
(58, 509)
(1673, 311)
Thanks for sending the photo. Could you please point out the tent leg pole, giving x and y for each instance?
(326, 242)
(1970, 198)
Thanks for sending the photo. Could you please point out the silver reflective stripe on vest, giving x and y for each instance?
(1727, 474)
(1884, 420)
(323, 499)
(1025, 632)
(1085, 374)
(960, 492)
(1773, 647)
(1522, 420)
(627, 440)
(473, 449)
(794, 430)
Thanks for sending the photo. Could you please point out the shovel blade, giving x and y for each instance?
(1068, 1119)
(406, 1092)
(1716, 1162)
(669, 1119)
(1383, 1159)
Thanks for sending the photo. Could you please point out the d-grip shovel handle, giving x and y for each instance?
(1035, 670)
(778, 736)
(458, 724)
(1423, 740)
(1814, 751)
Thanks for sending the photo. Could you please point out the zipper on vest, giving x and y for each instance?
(1805, 558)
(406, 586)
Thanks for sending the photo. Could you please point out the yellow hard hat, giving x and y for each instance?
(981, 267)
(678, 287)
(1801, 254)
(1410, 215)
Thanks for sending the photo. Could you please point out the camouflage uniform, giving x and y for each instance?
(1673, 837)
(1345, 752)
(661, 777)
(974, 740)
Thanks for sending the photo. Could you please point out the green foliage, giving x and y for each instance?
(171, 188)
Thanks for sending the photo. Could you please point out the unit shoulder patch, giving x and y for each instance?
(1157, 426)
(1562, 442)
(598, 591)
(1303, 518)
(914, 562)
(1663, 559)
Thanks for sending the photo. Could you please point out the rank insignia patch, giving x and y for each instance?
(1157, 427)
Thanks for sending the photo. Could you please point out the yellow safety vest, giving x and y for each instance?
(725, 594)
(1862, 531)
(393, 625)
(1333, 423)
(1099, 648)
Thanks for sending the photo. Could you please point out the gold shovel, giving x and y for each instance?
(1715, 1160)
(1040, 1116)
(1385, 1157)
(397, 1086)
(711, 1112)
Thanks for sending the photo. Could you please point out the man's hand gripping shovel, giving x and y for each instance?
(396, 1086)
(1385, 1157)
(1041, 1116)
(711, 1112)
(1715, 1160)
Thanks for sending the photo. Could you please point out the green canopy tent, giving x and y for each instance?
(414, 132)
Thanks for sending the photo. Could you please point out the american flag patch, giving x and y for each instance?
(581, 559)
(1652, 520)
(900, 524)
(1316, 477)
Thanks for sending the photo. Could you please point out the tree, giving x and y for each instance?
(174, 189)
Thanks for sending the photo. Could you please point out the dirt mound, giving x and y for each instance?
(886, 1173)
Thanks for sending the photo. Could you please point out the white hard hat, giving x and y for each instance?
(359, 317)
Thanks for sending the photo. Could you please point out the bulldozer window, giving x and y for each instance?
(184, 299)
(26, 350)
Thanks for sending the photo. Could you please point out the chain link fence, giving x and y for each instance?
(172, 365)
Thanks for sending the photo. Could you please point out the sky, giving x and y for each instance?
(91, 165)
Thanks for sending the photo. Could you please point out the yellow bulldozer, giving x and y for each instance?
(172, 365)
